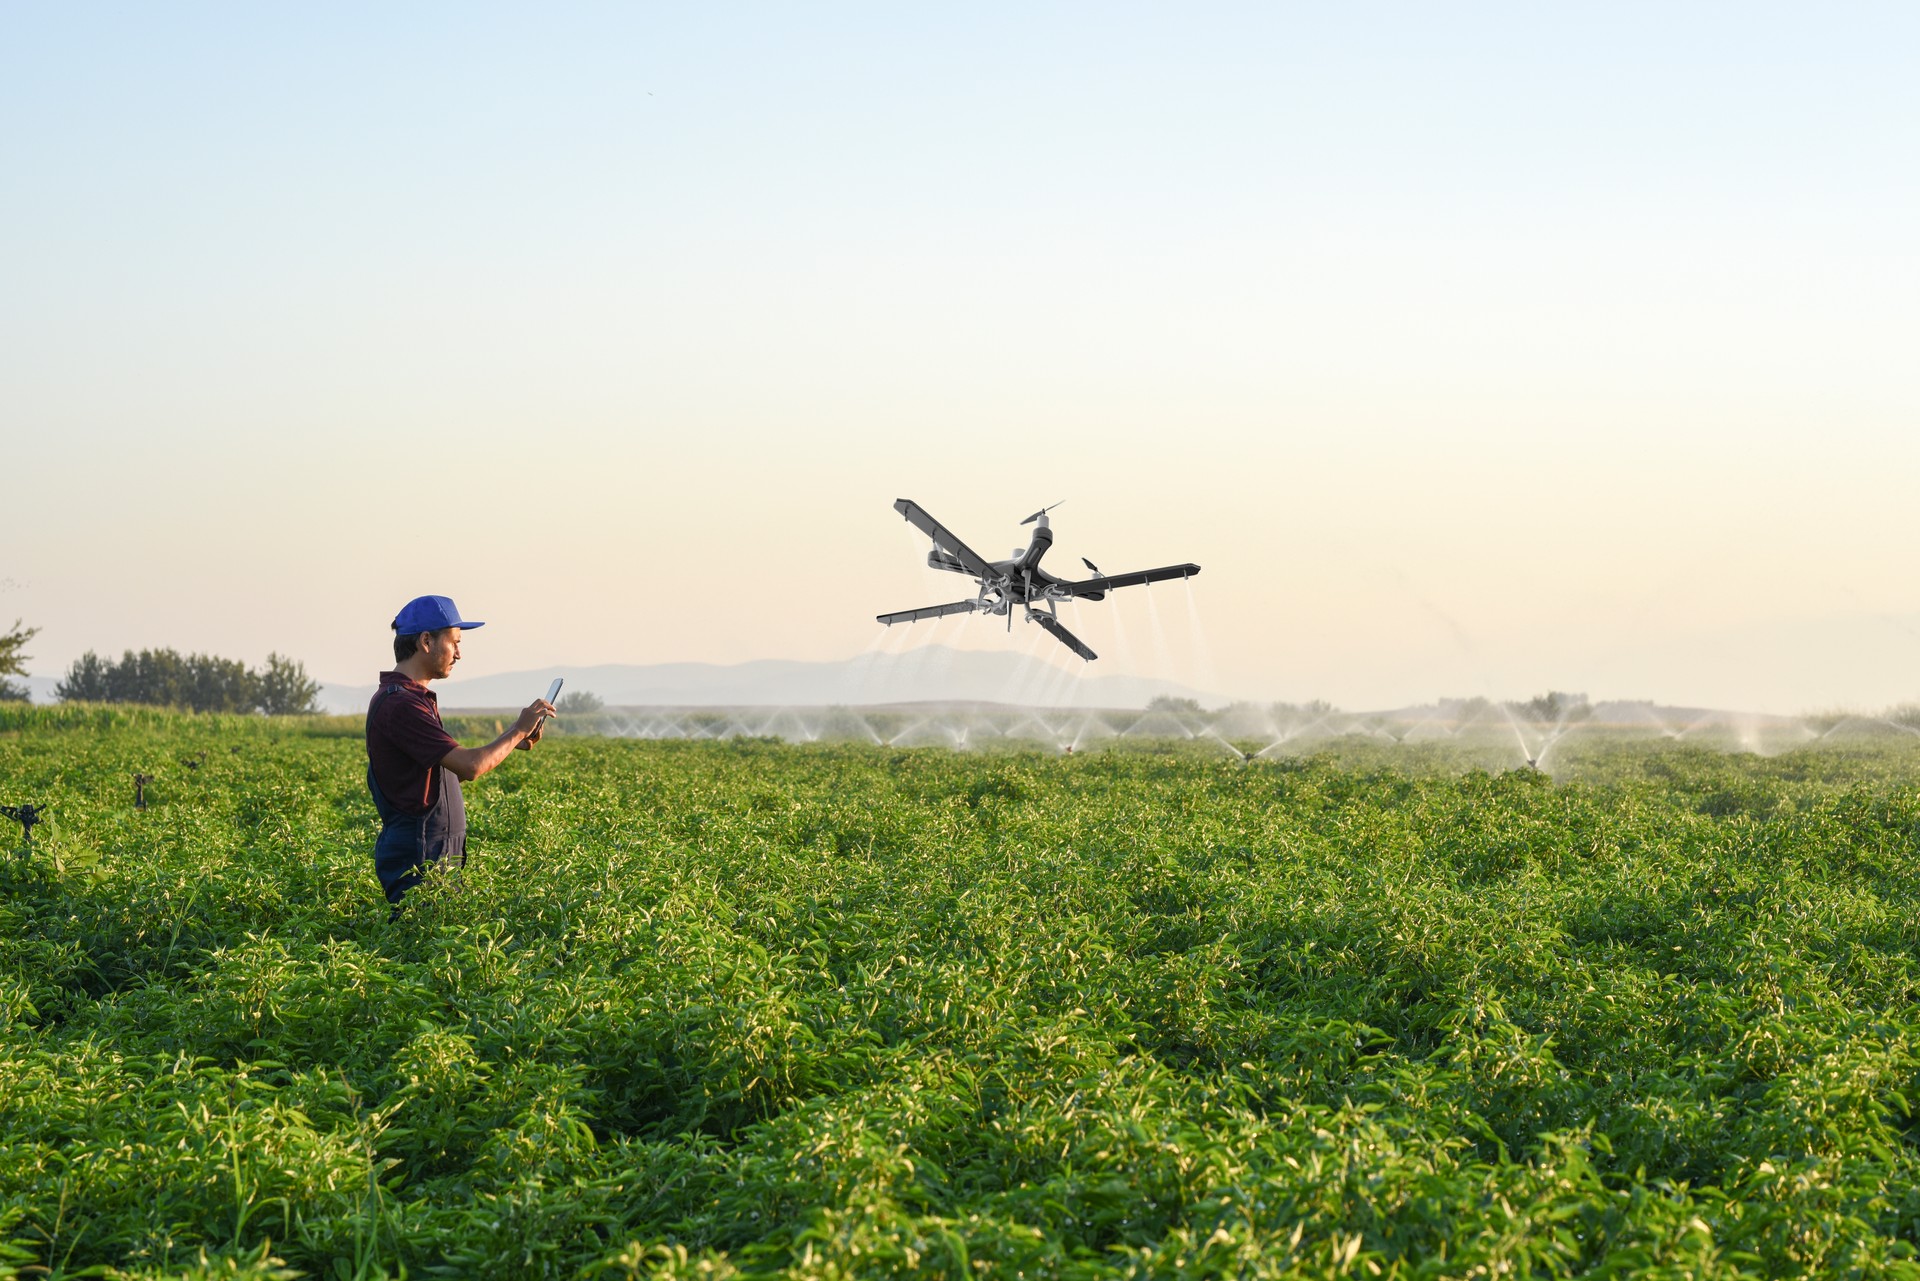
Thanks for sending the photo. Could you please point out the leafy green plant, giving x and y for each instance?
(738, 1008)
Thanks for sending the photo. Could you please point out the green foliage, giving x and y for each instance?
(579, 702)
(1168, 703)
(284, 688)
(745, 1009)
(1556, 707)
(196, 682)
(13, 660)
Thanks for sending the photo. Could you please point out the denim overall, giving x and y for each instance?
(408, 842)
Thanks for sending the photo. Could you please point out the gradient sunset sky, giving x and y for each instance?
(1469, 348)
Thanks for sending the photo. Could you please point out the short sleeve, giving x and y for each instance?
(418, 733)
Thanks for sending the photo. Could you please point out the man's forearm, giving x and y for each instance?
(469, 763)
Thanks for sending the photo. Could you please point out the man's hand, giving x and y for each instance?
(469, 763)
(531, 723)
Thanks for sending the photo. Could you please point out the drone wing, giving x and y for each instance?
(1095, 588)
(928, 611)
(1059, 632)
(942, 537)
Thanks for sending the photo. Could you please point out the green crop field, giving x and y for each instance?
(741, 1008)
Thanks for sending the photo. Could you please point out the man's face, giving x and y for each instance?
(442, 651)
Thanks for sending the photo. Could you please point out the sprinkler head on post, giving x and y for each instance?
(26, 816)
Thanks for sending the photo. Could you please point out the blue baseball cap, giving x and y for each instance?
(430, 614)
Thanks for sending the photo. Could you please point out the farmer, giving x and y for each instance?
(414, 767)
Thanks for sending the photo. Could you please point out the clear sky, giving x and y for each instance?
(1469, 348)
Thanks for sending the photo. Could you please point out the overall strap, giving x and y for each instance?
(433, 775)
(374, 704)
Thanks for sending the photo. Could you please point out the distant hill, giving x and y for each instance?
(933, 673)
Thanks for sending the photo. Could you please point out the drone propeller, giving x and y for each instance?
(1090, 565)
(1043, 511)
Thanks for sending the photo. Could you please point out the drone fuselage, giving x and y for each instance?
(1018, 580)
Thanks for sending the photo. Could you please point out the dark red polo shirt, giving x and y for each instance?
(406, 742)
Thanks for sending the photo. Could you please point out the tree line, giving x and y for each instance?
(199, 682)
(168, 678)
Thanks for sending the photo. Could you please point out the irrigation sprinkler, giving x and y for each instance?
(140, 782)
(26, 816)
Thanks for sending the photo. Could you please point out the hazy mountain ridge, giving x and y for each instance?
(934, 673)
